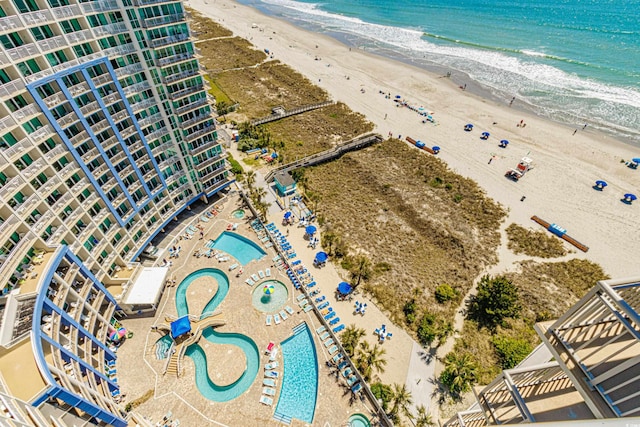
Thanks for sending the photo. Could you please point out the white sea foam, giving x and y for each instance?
(549, 90)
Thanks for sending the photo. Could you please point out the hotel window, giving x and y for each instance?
(26, 6)
(58, 3)
(83, 49)
(42, 33)
(32, 125)
(70, 26)
(9, 41)
(28, 67)
(46, 90)
(4, 77)
(56, 58)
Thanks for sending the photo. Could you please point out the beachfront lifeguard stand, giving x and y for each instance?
(285, 184)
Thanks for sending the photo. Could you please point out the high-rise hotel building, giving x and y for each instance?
(106, 134)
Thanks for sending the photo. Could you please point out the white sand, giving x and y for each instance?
(559, 189)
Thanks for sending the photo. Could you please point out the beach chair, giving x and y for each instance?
(356, 388)
(269, 382)
(333, 349)
(283, 315)
(289, 310)
(269, 391)
(301, 297)
(347, 372)
(261, 274)
(324, 305)
(266, 400)
(311, 285)
(274, 354)
(268, 245)
(307, 308)
(233, 266)
(320, 299)
(224, 259)
(270, 366)
(338, 329)
(268, 320)
(330, 315)
(342, 365)
(291, 256)
(334, 321)
(328, 342)
(296, 262)
(351, 380)
(271, 374)
(337, 357)
(267, 272)
(255, 277)
(324, 336)
(321, 329)
(326, 310)
(250, 282)
(303, 302)
(276, 318)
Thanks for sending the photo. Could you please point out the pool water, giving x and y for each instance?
(238, 214)
(208, 388)
(239, 247)
(162, 347)
(273, 302)
(359, 420)
(300, 379)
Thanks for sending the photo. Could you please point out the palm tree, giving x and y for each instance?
(369, 359)
(402, 400)
(328, 240)
(350, 338)
(459, 372)
(251, 179)
(423, 419)
(361, 269)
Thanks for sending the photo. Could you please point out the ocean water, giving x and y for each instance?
(575, 61)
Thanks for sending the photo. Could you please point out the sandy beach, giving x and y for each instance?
(558, 189)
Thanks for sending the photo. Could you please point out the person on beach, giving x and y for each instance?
(512, 99)
(574, 132)
(584, 127)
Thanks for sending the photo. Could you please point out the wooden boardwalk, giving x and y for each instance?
(328, 155)
(281, 113)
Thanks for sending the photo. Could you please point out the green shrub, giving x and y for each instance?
(511, 351)
(382, 392)
(496, 300)
(445, 293)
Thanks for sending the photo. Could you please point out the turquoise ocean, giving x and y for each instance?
(574, 61)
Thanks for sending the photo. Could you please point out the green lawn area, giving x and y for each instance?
(217, 92)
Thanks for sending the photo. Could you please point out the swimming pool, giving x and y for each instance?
(238, 214)
(273, 302)
(300, 380)
(208, 388)
(359, 420)
(239, 247)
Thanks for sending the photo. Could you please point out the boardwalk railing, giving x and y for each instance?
(299, 110)
(325, 156)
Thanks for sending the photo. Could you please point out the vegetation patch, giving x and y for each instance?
(204, 28)
(534, 243)
(229, 53)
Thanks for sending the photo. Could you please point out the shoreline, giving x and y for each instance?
(460, 77)
(570, 163)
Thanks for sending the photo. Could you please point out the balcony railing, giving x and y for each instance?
(149, 120)
(90, 108)
(157, 134)
(38, 17)
(199, 118)
(67, 170)
(17, 149)
(99, 6)
(8, 23)
(8, 227)
(110, 29)
(12, 88)
(79, 36)
(121, 50)
(66, 12)
(141, 105)
(54, 100)
(136, 88)
(28, 204)
(111, 98)
(16, 255)
(90, 155)
(198, 134)
(213, 173)
(102, 79)
(51, 183)
(186, 92)
(24, 51)
(68, 120)
(165, 41)
(62, 202)
(81, 137)
(26, 112)
(54, 153)
(10, 188)
(163, 20)
(197, 150)
(210, 161)
(191, 106)
(173, 59)
(129, 70)
(33, 169)
(172, 78)
(120, 115)
(7, 122)
(57, 42)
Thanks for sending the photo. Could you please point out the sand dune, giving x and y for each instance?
(559, 188)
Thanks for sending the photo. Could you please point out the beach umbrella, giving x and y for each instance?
(287, 215)
(268, 289)
(630, 197)
(398, 97)
(485, 134)
(321, 256)
(311, 229)
(435, 149)
(344, 288)
(636, 160)
(469, 125)
(504, 142)
(601, 183)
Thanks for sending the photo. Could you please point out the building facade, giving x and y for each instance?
(106, 134)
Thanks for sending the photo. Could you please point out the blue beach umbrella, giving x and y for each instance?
(435, 149)
(485, 134)
(344, 288)
(630, 197)
(287, 215)
(504, 143)
(636, 160)
(321, 256)
(311, 229)
(469, 125)
(398, 97)
(601, 183)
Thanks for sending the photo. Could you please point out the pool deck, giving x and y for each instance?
(139, 371)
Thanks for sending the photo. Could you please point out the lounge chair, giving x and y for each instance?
(347, 372)
(330, 315)
(333, 349)
(233, 266)
(301, 297)
(328, 342)
(267, 272)
(320, 299)
(268, 320)
(337, 357)
(274, 354)
(334, 321)
(307, 308)
(351, 380)
(303, 302)
(283, 315)
(270, 366)
(269, 391)
(326, 310)
(250, 282)
(266, 400)
(321, 329)
(296, 262)
(268, 245)
(261, 274)
(323, 305)
(276, 318)
(269, 382)
(356, 388)
(255, 277)
(338, 329)
(342, 365)
(271, 374)
(311, 285)
(289, 310)
(324, 336)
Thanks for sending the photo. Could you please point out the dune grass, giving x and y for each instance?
(229, 53)
(534, 242)
(204, 28)
(217, 92)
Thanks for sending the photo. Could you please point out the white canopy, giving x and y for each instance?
(148, 286)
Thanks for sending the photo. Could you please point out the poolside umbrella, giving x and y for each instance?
(469, 125)
(268, 289)
(630, 197)
(486, 134)
(344, 288)
(435, 149)
(636, 160)
(287, 215)
(321, 256)
(311, 229)
(504, 143)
